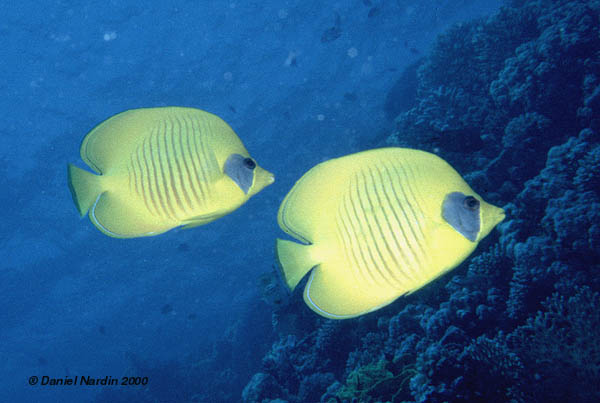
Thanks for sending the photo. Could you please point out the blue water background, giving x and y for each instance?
(75, 302)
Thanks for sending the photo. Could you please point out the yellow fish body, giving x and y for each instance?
(162, 168)
(377, 225)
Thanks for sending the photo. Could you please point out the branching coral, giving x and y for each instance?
(555, 226)
(375, 382)
(560, 349)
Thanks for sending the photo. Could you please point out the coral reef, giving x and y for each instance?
(375, 383)
(512, 101)
(562, 339)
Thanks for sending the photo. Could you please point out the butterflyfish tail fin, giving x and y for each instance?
(295, 261)
(85, 188)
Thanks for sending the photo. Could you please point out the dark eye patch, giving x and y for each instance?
(249, 163)
(462, 213)
(471, 203)
(240, 170)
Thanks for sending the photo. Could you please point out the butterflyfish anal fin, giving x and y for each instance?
(201, 220)
(331, 293)
(119, 219)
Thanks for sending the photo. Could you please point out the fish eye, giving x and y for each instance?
(471, 203)
(249, 163)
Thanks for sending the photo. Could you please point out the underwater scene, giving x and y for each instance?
(300, 201)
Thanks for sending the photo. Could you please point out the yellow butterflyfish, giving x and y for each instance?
(377, 225)
(161, 168)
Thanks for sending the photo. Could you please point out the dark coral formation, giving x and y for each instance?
(512, 101)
